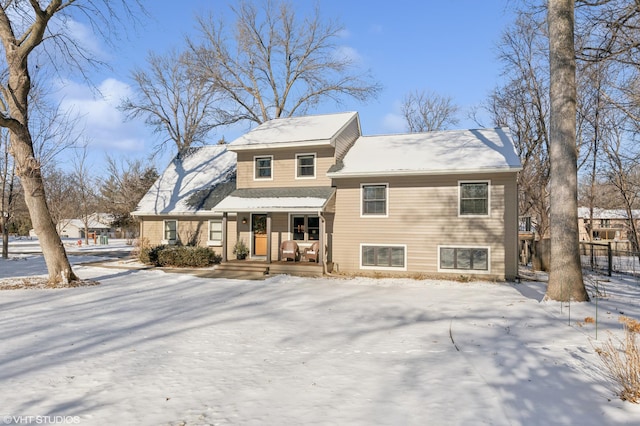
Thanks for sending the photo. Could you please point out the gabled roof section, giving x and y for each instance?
(443, 152)
(295, 131)
(192, 183)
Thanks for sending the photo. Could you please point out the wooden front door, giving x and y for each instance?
(259, 231)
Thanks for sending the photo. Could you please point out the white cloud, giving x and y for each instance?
(348, 53)
(394, 123)
(102, 123)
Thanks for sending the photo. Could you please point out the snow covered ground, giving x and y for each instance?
(155, 348)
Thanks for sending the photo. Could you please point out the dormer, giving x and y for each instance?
(294, 151)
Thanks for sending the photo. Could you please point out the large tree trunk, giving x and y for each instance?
(28, 170)
(16, 96)
(565, 275)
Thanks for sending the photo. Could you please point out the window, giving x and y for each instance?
(306, 165)
(374, 200)
(464, 258)
(263, 167)
(170, 230)
(383, 257)
(305, 228)
(474, 198)
(215, 232)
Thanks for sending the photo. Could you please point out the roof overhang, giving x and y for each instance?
(280, 145)
(299, 200)
(339, 174)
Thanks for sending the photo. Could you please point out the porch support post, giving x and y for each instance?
(268, 238)
(224, 236)
(321, 240)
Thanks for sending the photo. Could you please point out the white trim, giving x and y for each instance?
(315, 165)
(255, 174)
(386, 208)
(465, 271)
(488, 182)
(383, 268)
(387, 173)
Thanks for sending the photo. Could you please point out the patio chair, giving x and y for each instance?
(311, 253)
(289, 250)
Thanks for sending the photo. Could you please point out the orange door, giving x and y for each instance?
(259, 230)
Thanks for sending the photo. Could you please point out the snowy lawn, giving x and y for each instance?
(153, 348)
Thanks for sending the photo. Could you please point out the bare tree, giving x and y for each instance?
(83, 187)
(175, 101)
(522, 105)
(274, 64)
(24, 28)
(428, 111)
(60, 192)
(565, 274)
(123, 189)
(8, 194)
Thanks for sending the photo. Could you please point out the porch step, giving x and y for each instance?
(242, 270)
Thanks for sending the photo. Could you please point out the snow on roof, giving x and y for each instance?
(188, 173)
(275, 199)
(450, 151)
(313, 129)
(79, 223)
(598, 213)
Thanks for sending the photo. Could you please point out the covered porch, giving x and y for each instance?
(285, 230)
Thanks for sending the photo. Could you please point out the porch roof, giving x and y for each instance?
(306, 199)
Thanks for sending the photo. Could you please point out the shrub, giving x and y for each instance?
(621, 360)
(179, 256)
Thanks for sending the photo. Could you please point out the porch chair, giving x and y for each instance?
(311, 253)
(289, 250)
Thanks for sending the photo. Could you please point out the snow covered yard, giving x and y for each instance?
(152, 348)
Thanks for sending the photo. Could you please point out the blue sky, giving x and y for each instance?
(448, 47)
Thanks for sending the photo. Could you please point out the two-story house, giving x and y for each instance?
(437, 203)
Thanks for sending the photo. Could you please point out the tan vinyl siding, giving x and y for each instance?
(190, 228)
(346, 138)
(423, 214)
(284, 167)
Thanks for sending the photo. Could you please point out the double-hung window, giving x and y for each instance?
(305, 165)
(170, 231)
(263, 167)
(215, 232)
(474, 198)
(374, 199)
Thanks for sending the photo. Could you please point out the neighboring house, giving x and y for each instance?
(607, 224)
(98, 224)
(437, 203)
(177, 208)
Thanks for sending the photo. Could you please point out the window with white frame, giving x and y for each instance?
(215, 232)
(170, 230)
(305, 228)
(383, 256)
(263, 167)
(374, 199)
(474, 198)
(305, 165)
(464, 258)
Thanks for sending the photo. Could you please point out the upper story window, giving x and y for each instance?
(305, 165)
(474, 198)
(263, 167)
(374, 200)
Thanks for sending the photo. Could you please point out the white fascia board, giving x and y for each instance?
(338, 175)
(280, 145)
